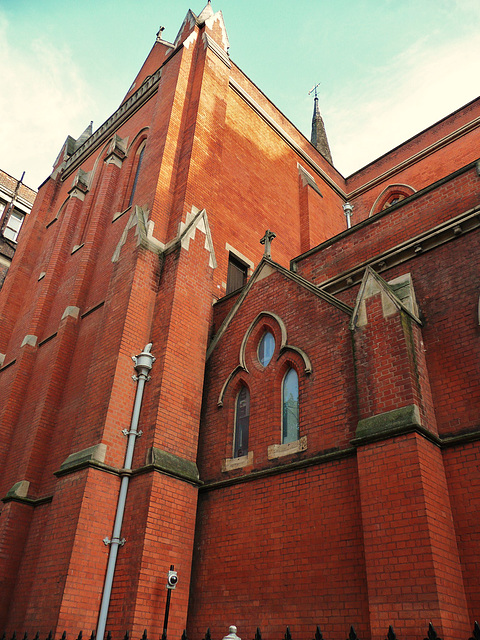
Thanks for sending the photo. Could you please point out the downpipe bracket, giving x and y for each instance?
(126, 432)
(120, 541)
(137, 378)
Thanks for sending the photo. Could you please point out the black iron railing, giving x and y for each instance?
(352, 635)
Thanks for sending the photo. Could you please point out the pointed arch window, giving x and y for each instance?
(391, 195)
(266, 347)
(137, 173)
(242, 420)
(290, 421)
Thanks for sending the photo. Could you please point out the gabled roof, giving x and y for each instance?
(263, 270)
(371, 284)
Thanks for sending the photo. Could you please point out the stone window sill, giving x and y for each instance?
(279, 450)
(237, 463)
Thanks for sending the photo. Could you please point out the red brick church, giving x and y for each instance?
(298, 431)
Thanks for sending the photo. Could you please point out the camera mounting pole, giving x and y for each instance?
(172, 580)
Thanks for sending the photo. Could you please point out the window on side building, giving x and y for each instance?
(13, 226)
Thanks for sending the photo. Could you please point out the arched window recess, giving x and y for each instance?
(290, 407)
(390, 196)
(242, 422)
(290, 441)
(136, 172)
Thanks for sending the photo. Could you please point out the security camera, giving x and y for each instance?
(172, 579)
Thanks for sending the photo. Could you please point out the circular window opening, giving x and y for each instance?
(266, 348)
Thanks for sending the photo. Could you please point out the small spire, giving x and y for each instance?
(85, 135)
(319, 135)
(206, 13)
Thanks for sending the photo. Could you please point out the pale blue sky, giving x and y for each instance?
(388, 68)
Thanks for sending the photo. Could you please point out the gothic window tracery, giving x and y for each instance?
(393, 199)
(268, 375)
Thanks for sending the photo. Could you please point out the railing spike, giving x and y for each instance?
(37, 636)
(476, 632)
(144, 636)
(391, 634)
(92, 635)
(25, 636)
(288, 635)
(109, 635)
(432, 634)
(318, 634)
(258, 634)
(207, 635)
(14, 637)
(50, 635)
(64, 635)
(352, 634)
(127, 635)
(184, 635)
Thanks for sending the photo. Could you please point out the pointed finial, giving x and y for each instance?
(267, 241)
(205, 14)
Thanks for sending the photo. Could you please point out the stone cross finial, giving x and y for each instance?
(267, 241)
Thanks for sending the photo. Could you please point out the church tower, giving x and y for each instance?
(141, 226)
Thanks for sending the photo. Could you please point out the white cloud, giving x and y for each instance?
(424, 84)
(43, 99)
